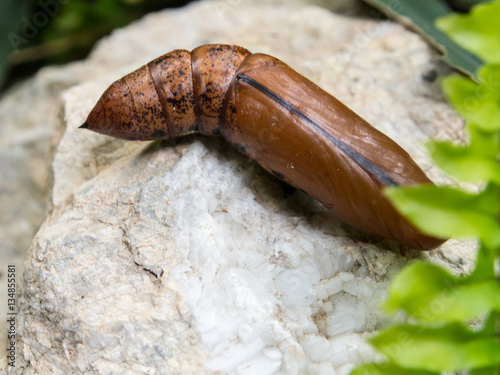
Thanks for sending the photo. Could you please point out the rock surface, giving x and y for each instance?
(184, 257)
(29, 113)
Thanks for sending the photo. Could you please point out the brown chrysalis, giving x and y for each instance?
(272, 114)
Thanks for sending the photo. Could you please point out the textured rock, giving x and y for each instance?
(28, 112)
(184, 257)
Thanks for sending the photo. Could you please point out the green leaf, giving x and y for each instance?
(474, 162)
(431, 294)
(447, 212)
(485, 264)
(484, 143)
(492, 323)
(478, 103)
(420, 16)
(477, 32)
(387, 368)
(446, 348)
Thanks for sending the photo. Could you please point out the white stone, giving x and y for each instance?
(322, 368)
(333, 285)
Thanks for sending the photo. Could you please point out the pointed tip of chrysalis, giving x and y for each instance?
(83, 126)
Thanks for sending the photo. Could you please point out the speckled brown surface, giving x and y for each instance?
(173, 76)
(214, 67)
(151, 122)
(177, 94)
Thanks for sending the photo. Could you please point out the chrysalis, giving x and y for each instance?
(277, 117)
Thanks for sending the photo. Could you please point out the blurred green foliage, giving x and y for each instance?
(441, 305)
(477, 31)
(39, 32)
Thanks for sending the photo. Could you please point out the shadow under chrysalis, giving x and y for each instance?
(272, 114)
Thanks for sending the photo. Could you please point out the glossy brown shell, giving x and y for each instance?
(285, 122)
